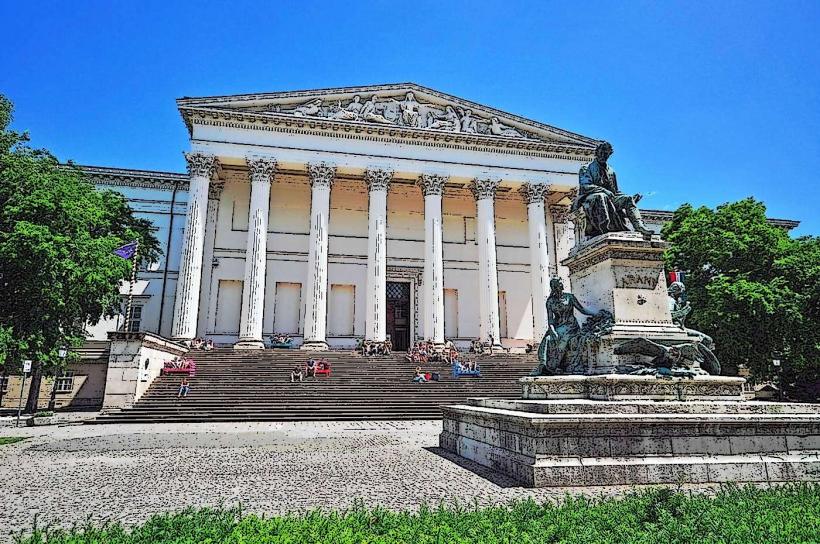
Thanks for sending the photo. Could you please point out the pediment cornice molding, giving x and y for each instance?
(146, 179)
(396, 113)
(337, 129)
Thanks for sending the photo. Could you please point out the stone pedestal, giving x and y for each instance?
(620, 429)
(623, 274)
(560, 443)
(628, 387)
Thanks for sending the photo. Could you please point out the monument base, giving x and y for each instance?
(630, 387)
(559, 443)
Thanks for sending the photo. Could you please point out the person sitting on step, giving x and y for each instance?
(310, 368)
(297, 372)
(184, 387)
(419, 378)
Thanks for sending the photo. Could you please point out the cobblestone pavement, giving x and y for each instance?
(69, 473)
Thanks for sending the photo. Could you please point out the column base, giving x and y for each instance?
(314, 345)
(249, 344)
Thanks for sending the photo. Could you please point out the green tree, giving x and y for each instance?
(57, 269)
(754, 288)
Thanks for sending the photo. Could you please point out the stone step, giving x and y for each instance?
(255, 386)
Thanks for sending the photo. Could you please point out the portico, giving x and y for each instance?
(319, 212)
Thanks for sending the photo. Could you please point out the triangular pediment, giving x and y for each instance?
(406, 106)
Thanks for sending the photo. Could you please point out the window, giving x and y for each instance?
(65, 383)
(136, 319)
(4, 384)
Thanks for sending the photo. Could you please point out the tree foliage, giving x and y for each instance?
(57, 234)
(754, 289)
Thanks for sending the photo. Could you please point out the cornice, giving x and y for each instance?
(664, 216)
(123, 177)
(314, 126)
(615, 246)
(379, 90)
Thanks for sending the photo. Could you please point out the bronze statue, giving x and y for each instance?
(679, 307)
(562, 349)
(606, 209)
(679, 359)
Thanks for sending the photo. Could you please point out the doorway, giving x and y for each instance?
(398, 314)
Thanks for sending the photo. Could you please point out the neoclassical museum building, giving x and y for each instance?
(381, 212)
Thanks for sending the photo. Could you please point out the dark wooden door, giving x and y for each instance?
(398, 319)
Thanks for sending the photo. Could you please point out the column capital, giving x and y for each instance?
(215, 191)
(378, 179)
(483, 189)
(321, 174)
(534, 193)
(559, 213)
(201, 164)
(432, 184)
(261, 169)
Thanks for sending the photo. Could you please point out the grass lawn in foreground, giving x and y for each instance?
(788, 514)
(11, 439)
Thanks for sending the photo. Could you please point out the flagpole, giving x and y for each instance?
(130, 308)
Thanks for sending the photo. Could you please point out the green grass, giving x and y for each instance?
(789, 514)
(11, 439)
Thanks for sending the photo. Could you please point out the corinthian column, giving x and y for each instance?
(201, 168)
(214, 196)
(321, 178)
(539, 255)
(432, 186)
(261, 171)
(378, 181)
(484, 192)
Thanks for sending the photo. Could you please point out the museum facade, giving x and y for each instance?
(382, 212)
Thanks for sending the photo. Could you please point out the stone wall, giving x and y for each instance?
(135, 360)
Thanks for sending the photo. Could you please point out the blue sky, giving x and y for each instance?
(705, 102)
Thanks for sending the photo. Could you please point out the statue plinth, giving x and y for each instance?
(623, 273)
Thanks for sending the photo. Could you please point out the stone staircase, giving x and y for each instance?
(255, 386)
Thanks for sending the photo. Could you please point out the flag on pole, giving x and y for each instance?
(127, 251)
(676, 276)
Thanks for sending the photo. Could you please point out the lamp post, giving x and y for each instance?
(62, 353)
(26, 370)
(779, 374)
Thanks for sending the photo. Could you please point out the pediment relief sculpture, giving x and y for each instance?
(403, 110)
